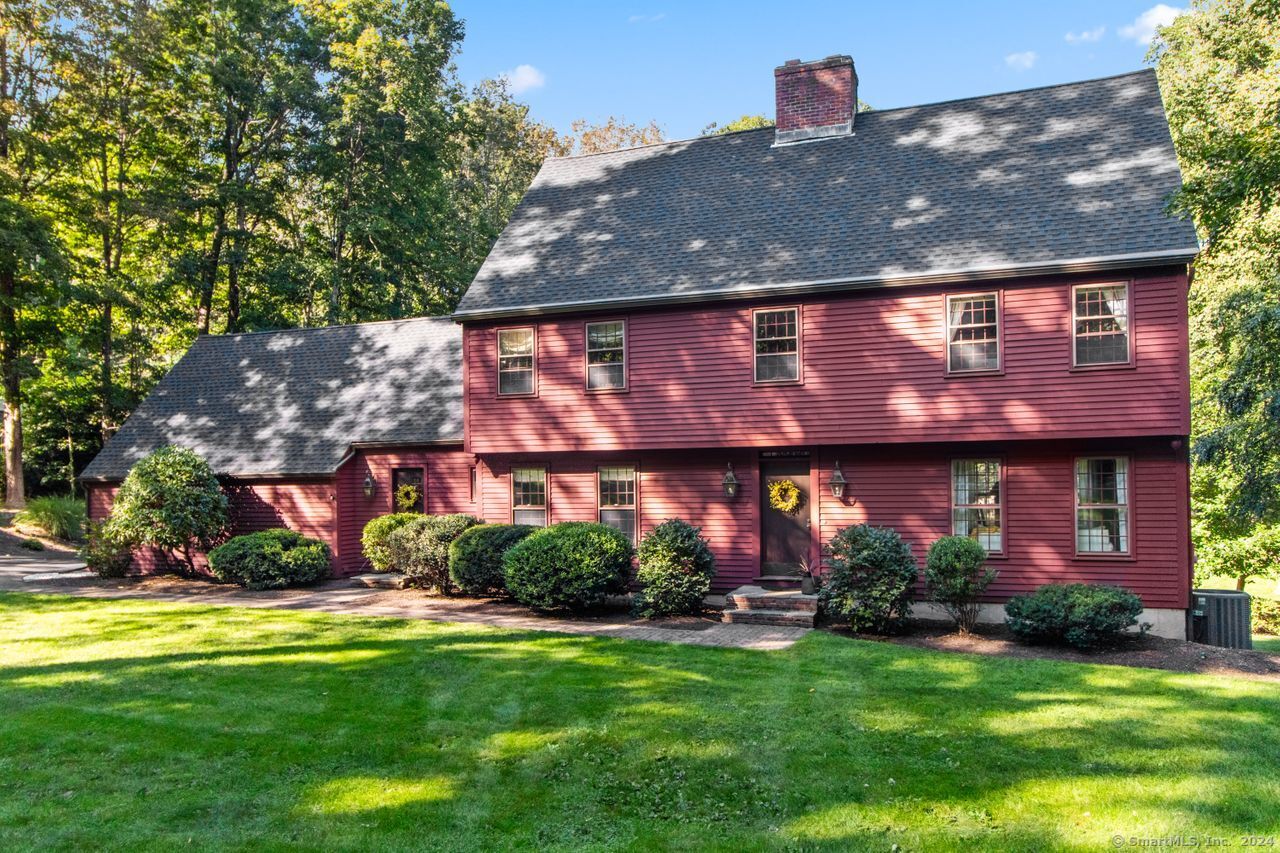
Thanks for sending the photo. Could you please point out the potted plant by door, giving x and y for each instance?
(808, 578)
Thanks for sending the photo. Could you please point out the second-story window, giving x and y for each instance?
(973, 333)
(606, 355)
(529, 496)
(1100, 324)
(777, 344)
(515, 361)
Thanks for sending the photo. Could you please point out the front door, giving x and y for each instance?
(785, 536)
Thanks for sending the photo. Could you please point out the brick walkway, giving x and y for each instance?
(341, 597)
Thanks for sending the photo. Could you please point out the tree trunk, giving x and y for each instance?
(209, 275)
(233, 270)
(14, 490)
(106, 370)
(1240, 582)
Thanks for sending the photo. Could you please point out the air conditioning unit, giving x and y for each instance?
(1221, 618)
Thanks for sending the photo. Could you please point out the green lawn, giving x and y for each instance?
(128, 724)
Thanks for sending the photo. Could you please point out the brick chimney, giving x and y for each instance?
(815, 100)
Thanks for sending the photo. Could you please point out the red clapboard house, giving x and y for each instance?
(963, 317)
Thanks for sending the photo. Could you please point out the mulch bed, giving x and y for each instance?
(1145, 651)
(11, 538)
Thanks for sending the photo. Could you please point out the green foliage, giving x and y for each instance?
(675, 571)
(105, 555)
(871, 572)
(59, 517)
(1266, 615)
(475, 557)
(420, 549)
(170, 500)
(31, 544)
(271, 559)
(373, 540)
(1085, 616)
(746, 122)
(955, 577)
(407, 497)
(1219, 70)
(569, 566)
(1254, 556)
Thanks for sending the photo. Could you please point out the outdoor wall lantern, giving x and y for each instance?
(730, 483)
(837, 482)
(369, 485)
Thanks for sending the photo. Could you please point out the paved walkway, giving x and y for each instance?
(342, 597)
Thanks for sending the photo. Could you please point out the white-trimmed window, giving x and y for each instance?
(777, 344)
(1102, 505)
(1100, 324)
(976, 503)
(606, 355)
(617, 497)
(529, 496)
(516, 361)
(973, 333)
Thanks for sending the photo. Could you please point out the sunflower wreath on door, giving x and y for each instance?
(785, 496)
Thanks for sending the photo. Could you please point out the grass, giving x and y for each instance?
(1266, 643)
(131, 724)
(59, 517)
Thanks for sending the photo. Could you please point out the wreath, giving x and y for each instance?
(785, 496)
(407, 496)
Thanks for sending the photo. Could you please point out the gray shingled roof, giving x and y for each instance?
(1062, 177)
(293, 402)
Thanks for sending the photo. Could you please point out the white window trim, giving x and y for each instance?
(799, 338)
(1000, 507)
(1075, 319)
(533, 368)
(635, 491)
(546, 493)
(586, 356)
(947, 328)
(1127, 507)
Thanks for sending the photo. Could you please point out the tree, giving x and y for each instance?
(1219, 70)
(612, 135)
(1243, 558)
(746, 122)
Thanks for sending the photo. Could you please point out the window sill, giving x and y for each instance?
(593, 391)
(529, 396)
(1091, 368)
(775, 383)
(1105, 557)
(966, 374)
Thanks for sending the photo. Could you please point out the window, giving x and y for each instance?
(975, 502)
(973, 333)
(472, 493)
(777, 340)
(1102, 505)
(515, 361)
(406, 489)
(618, 498)
(1100, 317)
(606, 355)
(529, 496)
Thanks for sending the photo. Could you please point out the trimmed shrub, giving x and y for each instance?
(31, 544)
(1082, 615)
(105, 555)
(59, 517)
(475, 557)
(676, 568)
(420, 549)
(1266, 616)
(373, 541)
(271, 559)
(568, 566)
(870, 575)
(956, 579)
(170, 500)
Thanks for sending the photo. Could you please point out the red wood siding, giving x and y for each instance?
(306, 506)
(906, 488)
(447, 479)
(873, 368)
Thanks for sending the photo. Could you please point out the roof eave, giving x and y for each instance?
(1057, 267)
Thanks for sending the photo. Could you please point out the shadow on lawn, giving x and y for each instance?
(361, 731)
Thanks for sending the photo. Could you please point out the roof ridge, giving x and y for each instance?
(873, 111)
(234, 335)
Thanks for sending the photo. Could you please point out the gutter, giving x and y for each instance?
(816, 286)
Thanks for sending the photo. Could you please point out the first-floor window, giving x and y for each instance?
(407, 491)
(618, 498)
(1102, 505)
(976, 502)
(529, 496)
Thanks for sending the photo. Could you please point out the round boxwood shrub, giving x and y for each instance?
(373, 541)
(955, 577)
(676, 568)
(568, 566)
(870, 575)
(271, 559)
(475, 557)
(420, 549)
(104, 554)
(170, 500)
(1082, 615)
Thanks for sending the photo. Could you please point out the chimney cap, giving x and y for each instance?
(835, 60)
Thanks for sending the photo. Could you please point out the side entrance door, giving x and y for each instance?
(784, 536)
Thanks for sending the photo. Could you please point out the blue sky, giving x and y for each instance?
(685, 64)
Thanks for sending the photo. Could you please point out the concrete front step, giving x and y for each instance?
(787, 618)
(757, 598)
(379, 580)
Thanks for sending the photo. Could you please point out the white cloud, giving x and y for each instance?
(646, 19)
(1021, 61)
(522, 78)
(1085, 36)
(1143, 30)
